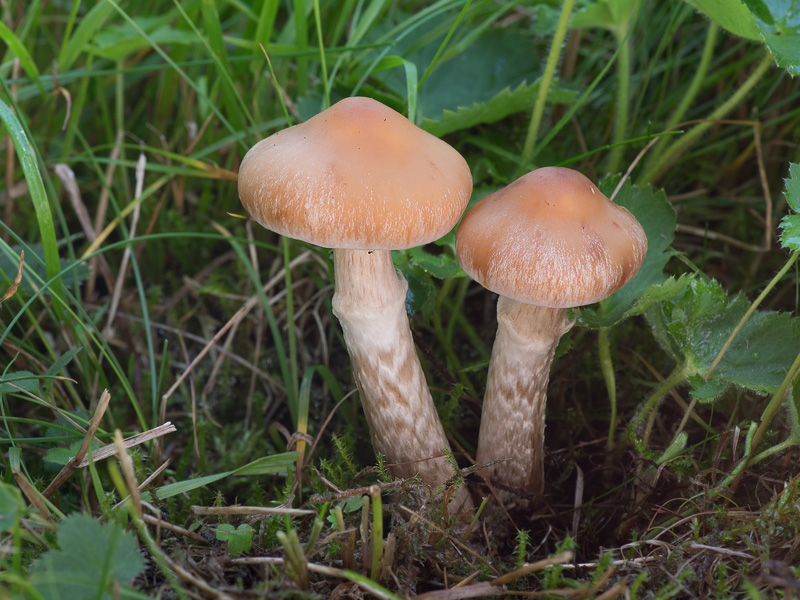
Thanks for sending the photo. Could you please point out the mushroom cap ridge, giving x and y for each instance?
(550, 238)
(358, 175)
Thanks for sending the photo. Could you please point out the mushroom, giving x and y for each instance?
(363, 180)
(547, 242)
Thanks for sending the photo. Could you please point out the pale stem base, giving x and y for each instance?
(512, 420)
(370, 304)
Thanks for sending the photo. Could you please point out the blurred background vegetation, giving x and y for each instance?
(123, 125)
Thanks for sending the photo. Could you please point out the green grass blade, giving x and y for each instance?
(20, 51)
(90, 24)
(235, 107)
(41, 205)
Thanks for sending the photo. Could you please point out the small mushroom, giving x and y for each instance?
(547, 242)
(362, 179)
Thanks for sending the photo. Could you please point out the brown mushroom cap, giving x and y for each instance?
(360, 176)
(550, 239)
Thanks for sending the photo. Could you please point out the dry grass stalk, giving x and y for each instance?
(251, 510)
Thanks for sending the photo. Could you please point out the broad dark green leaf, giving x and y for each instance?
(504, 103)
(693, 327)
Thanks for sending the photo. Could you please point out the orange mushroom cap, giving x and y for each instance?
(552, 239)
(358, 175)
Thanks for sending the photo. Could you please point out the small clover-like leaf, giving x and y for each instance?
(240, 539)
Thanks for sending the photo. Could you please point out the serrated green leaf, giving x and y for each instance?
(506, 102)
(790, 232)
(778, 21)
(790, 224)
(240, 539)
(93, 559)
(440, 266)
(657, 218)
(792, 191)
(706, 391)
(731, 15)
(694, 326)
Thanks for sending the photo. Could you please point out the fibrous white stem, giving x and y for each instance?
(512, 420)
(370, 304)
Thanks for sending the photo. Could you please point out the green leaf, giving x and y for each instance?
(792, 191)
(492, 77)
(119, 41)
(62, 361)
(19, 50)
(675, 448)
(41, 204)
(92, 560)
(19, 380)
(794, 410)
(790, 224)
(240, 540)
(90, 23)
(693, 327)
(504, 103)
(12, 507)
(657, 218)
(440, 266)
(731, 15)
(778, 21)
(277, 463)
(35, 269)
(614, 15)
(790, 232)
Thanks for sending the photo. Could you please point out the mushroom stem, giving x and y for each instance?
(369, 302)
(512, 420)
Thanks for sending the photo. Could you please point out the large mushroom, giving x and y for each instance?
(547, 242)
(363, 180)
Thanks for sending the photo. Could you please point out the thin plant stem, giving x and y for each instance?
(699, 78)
(750, 312)
(322, 64)
(766, 418)
(377, 532)
(547, 79)
(623, 93)
(675, 378)
(775, 403)
(607, 367)
(686, 140)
